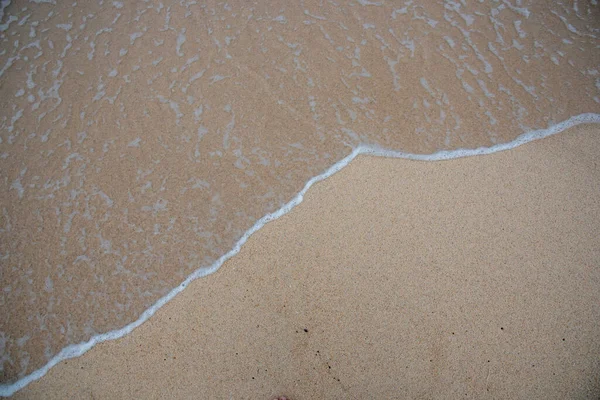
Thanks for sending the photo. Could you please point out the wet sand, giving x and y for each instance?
(474, 277)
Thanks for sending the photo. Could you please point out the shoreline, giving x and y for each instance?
(142, 141)
(78, 350)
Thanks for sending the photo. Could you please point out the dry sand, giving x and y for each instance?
(475, 277)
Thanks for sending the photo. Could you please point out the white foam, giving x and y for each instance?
(135, 143)
(369, 3)
(77, 350)
(281, 19)
(180, 41)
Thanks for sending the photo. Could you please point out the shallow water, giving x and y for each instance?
(140, 141)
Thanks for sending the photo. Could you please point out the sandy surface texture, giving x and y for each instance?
(475, 277)
(140, 140)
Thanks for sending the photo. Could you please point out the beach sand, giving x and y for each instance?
(141, 140)
(475, 277)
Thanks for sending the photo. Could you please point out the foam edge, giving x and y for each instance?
(77, 350)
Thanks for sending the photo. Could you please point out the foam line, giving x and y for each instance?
(76, 350)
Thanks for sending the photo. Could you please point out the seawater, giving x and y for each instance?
(141, 143)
